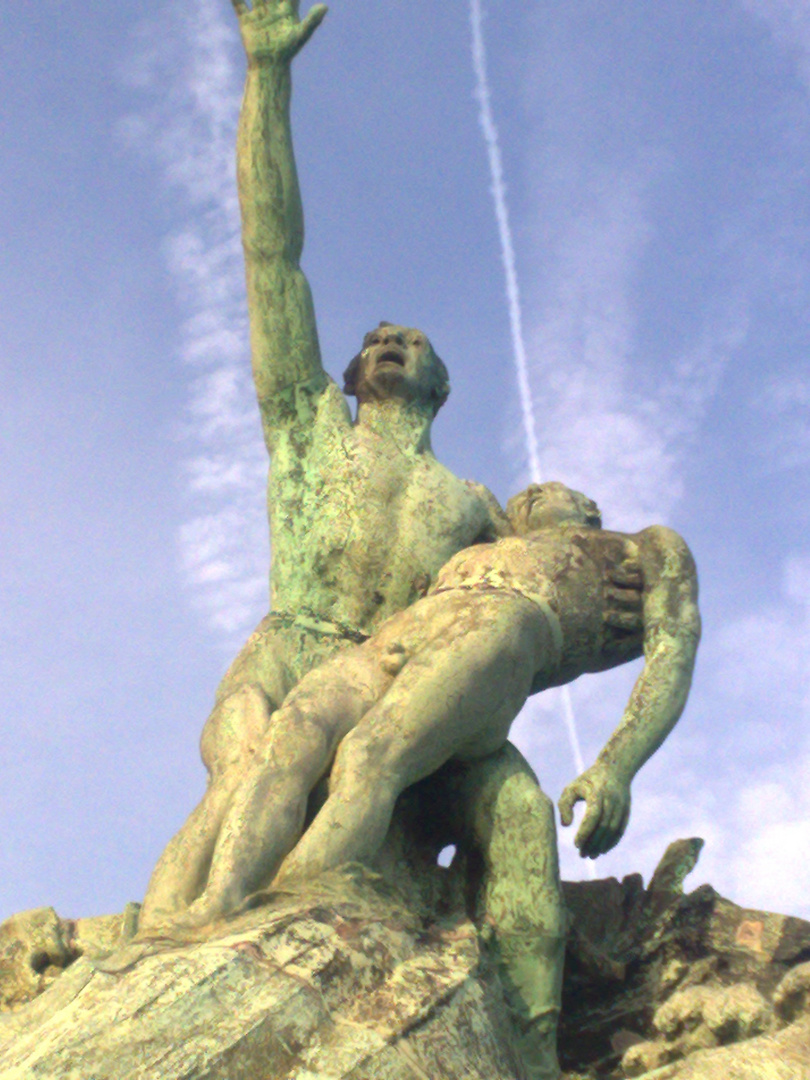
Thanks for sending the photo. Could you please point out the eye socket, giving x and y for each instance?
(375, 340)
(418, 342)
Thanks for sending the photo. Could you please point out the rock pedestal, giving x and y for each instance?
(348, 978)
(341, 981)
(675, 986)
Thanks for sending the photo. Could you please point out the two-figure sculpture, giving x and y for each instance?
(411, 618)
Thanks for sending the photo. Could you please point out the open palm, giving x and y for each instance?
(271, 29)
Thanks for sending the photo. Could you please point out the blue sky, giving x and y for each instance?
(656, 167)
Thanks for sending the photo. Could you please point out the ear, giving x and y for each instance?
(350, 376)
(441, 391)
(439, 395)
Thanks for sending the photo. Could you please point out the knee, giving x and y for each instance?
(367, 763)
(522, 799)
(298, 742)
(235, 728)
(508, 798)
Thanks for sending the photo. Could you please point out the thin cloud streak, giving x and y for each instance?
(498, 188)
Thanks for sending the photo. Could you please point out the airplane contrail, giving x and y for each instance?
(498, 188)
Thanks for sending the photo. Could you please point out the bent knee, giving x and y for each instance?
(375, 761)
(299, 740)
(235, 728)
(524, 801)
(516, 808)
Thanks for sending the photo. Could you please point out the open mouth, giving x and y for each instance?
(391, 356)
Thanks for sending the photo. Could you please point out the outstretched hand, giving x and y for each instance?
(271, 29)
(607, 800)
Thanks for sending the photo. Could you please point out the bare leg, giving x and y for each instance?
(231, 733)
(459, 694)
(511, 822)
(264, 817)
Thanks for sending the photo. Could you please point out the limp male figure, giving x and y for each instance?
(362, 515)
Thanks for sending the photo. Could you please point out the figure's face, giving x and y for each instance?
(398, 363)
(544, 505)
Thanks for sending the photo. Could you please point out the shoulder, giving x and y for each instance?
(310, 404)
(332, 405)
(667, 562)
(494, 521)
(664, 542)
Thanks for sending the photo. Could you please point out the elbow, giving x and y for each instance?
(263, 251)
(676, 654)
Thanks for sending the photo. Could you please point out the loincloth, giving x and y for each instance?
(316, 624)
(513, 590)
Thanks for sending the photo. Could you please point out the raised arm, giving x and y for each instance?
(283, 335)
(671, 635)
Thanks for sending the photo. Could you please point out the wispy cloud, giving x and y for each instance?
(789, 23)
(186, 67)
(619, 412)
(762, 679)
(785, 403)
(616, 424)
(620, 429)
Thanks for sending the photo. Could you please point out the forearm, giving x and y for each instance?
(655, 705)
(283, 335)
(269, 196)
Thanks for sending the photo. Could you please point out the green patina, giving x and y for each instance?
(410, 618)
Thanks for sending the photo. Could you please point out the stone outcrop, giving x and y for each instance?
(350, 979)
(682, 986)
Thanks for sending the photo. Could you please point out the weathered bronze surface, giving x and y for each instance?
(411, 617)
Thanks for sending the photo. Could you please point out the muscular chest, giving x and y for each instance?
(406, 515)
(368, 523)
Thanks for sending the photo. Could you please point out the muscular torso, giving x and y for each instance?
(361, 526)
(566, 571)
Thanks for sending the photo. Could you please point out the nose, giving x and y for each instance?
(394, 338)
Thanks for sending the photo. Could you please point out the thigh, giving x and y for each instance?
(263, 661)
(456, 696)
(326, 704)
(254, 686)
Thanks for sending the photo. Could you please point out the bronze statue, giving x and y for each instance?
(362, 515)
(445, 678)
(381, 597)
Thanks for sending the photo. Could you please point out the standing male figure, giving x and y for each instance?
(362, 515)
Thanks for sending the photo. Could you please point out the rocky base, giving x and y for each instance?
(680, 987)
(341, 981)
(346, 980)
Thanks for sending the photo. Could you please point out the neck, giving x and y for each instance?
(403, 423)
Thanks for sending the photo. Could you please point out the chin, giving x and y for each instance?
(385, 386)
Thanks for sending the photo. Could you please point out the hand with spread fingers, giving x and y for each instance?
(607, 800)
(271, 29)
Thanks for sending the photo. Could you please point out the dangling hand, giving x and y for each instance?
(607, 799)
